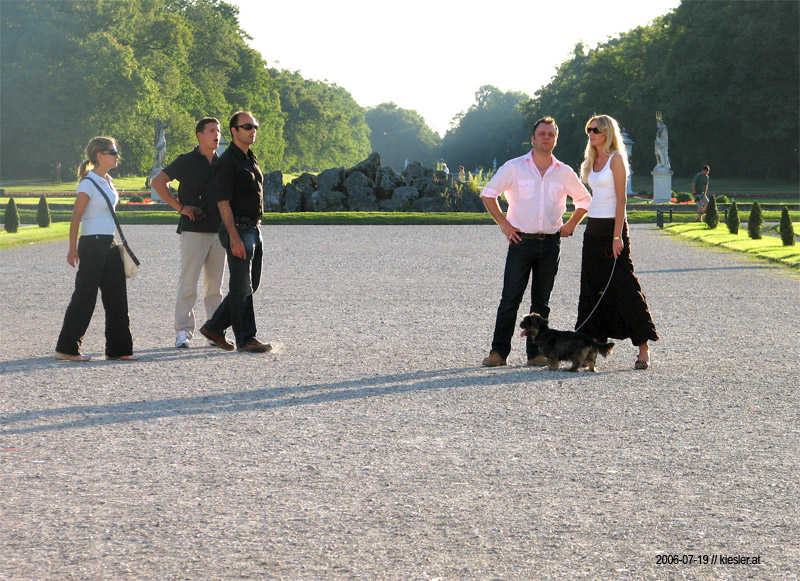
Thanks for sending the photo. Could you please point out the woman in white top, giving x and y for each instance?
(622, 312)
(98, 260)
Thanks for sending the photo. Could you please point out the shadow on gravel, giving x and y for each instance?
(151, 355)
(264, 399)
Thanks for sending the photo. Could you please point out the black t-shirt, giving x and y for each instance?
(238, 179)
(195, 189)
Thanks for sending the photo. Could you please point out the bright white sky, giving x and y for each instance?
(433, 55)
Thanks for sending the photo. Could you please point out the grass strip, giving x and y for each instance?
(34, 234)
(768, 248)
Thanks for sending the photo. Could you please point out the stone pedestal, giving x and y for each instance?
(662, 185)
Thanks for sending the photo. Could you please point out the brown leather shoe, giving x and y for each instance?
(217, 339)
(493, 360)
(540, 360)
(255, 346)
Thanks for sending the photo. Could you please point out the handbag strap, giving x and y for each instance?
(114, 215)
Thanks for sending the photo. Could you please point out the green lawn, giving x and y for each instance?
(34, 234)
(767, 248)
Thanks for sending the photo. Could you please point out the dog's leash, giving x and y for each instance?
(601, 295)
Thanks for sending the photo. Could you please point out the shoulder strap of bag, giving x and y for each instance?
(114, 215)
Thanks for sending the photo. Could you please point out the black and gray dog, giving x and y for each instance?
(558, 346)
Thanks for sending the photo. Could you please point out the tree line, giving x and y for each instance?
(74, 69)
(723, 74)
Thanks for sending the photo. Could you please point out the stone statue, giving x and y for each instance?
(662, 144)
(160, 144)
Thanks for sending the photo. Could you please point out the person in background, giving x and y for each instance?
(98, 260)
(621, 312)
(198, 227)
(700, 191)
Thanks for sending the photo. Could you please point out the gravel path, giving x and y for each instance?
(372, 445)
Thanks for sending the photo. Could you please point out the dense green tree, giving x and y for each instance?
(786, 228)
(11, 217)
(324, 126)
(721, 72)
(43, 213)
(493, 128)
(754, 222)
(711, 217)
(733, 220)
(399, 135)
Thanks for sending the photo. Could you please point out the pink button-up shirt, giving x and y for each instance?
(536, 203)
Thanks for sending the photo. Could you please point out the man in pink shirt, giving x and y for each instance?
(536, 187)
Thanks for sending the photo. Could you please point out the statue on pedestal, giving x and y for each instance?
(160, 145)
(662, 143)
(662, 174)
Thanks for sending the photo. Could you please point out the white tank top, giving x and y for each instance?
(604, 196)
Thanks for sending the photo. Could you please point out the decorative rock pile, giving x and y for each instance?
(369, 187)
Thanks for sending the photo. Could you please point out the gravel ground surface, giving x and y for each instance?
(371, 444)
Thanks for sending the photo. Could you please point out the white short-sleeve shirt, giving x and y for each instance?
(97, 218)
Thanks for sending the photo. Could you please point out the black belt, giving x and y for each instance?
(537, 236)
(246, 221)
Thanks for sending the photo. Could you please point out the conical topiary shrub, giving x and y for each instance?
(733, 219)
(11, 219)
(754, 222)
(712, 216)
(786, 228)
(43, 213)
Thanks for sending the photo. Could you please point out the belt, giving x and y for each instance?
(245, 221)
(537, 236)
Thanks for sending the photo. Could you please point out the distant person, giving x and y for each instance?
(239, 184)
(201, 249)
(700, 191)
(621, 312)
(98, 260)
(536, 187)
(445, 169)
(462, 173)
(58, 171)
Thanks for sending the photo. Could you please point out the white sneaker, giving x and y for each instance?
(182, 340)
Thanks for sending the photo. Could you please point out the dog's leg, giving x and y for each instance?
(591, 360)
(552, 363)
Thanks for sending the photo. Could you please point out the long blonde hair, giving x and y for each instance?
(610, 128)
(96, 146)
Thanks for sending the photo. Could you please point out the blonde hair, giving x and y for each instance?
(96, 146)
(610, 128)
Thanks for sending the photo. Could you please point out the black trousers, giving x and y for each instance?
(99, 268)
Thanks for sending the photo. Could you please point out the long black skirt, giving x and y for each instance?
(622, 312)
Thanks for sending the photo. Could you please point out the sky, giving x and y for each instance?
(432, 56)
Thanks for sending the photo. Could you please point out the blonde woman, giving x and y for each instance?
(98, 260)
(622, 312)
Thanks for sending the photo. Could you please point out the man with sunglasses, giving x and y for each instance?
(198, 227)
(238, 182)
(536, 187)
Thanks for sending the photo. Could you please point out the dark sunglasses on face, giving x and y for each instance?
(594, 130)
(111, 152)
(246, 126)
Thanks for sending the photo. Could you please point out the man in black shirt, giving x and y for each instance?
(238, 183)
(198, 227)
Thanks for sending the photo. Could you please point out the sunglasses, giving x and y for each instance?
(111, 152)
(246, 126)
(594, 130)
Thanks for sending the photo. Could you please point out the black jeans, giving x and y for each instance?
(236, 309)
(99, 267)
(539, 258)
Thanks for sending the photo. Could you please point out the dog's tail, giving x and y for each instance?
(604, 349)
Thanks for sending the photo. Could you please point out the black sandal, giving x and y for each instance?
(641, 364)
